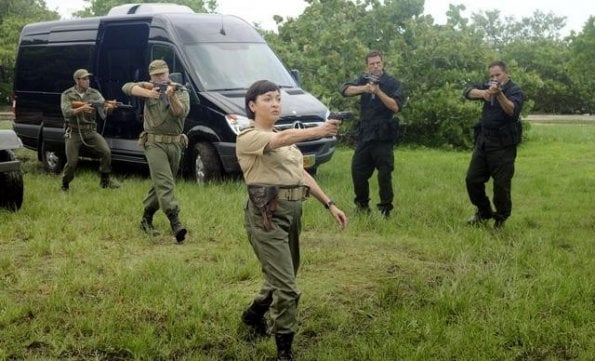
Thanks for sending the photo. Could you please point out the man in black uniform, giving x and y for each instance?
(496, 140)
(376, 132)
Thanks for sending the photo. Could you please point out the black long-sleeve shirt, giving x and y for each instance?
(375, 117)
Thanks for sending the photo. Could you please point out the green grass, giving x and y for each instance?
(79, 281)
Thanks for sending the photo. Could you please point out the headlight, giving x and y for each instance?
(237, 123)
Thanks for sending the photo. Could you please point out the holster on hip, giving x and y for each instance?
(264, 197)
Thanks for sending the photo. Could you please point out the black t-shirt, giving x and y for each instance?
(377, 122)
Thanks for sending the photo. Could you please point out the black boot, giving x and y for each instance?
(480, 218)
(146, 223)
(65, 186)
(284, 341)
(176, 226)
(499, 222)
(107, 182)
(253, 317)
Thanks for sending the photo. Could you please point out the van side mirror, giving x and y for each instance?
(295, 74)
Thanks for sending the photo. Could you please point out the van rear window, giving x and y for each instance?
(49, 68)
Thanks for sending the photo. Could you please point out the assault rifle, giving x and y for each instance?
(101, 107)
(161, 87)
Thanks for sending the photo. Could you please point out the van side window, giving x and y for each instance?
(49, 68)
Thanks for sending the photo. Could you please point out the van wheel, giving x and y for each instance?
(53, 161)
(207, 166)
(11, 184)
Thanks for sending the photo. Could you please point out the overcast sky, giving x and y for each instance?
(262, 11)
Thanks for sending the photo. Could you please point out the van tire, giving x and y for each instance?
(205, 164)
(53, 161)
(11, 185)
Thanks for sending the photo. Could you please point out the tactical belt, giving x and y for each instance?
(162, 138)
(83, 126)
(294, 193)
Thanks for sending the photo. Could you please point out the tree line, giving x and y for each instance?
(329, 40)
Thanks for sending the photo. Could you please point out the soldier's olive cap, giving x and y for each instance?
(81, 73)
(158, 67)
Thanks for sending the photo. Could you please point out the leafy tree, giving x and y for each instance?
(546, 59)
(499, 33)
(330, 39)
(14, 15)
(436, 114)
(582, 66)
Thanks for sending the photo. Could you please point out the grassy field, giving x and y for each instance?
(79, 281)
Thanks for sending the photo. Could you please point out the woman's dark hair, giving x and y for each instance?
(258, 88)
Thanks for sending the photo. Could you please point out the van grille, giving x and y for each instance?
(288, 123)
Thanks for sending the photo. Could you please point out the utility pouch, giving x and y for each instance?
(264, 197)
(142, 139)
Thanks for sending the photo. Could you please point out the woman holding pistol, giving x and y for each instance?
(277, 184)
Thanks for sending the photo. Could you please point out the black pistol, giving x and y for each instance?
(342, 116)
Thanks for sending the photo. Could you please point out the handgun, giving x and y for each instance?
(341, 116)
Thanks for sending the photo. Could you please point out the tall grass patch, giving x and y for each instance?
(80, 281)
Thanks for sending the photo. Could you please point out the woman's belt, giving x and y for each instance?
(265, 197)
(294, 193)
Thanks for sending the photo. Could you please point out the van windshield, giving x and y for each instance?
(235, 66)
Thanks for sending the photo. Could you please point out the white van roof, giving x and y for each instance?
(149, 8)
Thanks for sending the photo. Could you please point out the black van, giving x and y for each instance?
(216, 56)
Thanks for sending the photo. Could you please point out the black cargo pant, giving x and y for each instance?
(367, 157)
(489, 160)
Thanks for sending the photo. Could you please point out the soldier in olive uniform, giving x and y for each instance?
(277, 184)
(163, 142)
(81, 129)
(497, 137)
